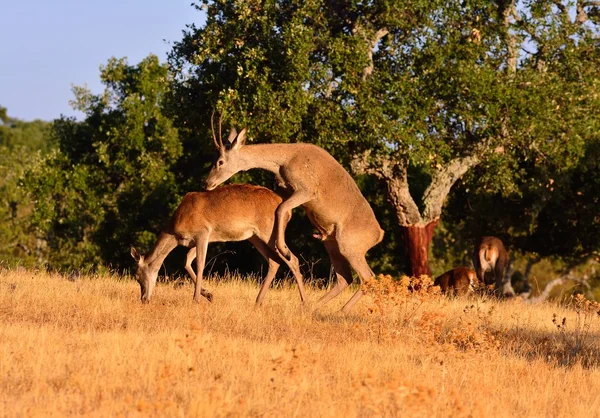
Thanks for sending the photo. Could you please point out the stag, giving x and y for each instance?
(491, 259)
(460, 281)
(315, 180)
(236, 212)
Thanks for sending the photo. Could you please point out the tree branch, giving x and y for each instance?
(395, 176)
(568, 276)
(509, 11)
(371, 44)
(444, 178)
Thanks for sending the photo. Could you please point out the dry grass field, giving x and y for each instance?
(89, 347)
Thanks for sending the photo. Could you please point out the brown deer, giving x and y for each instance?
(491, 257)
(315, 180)
(460, 281)
(236, 212)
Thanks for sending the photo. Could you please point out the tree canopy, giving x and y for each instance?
(110, 183)
(479, 116)
(21, 143)
(434, 88)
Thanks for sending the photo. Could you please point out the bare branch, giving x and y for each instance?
(394, 173)
(568, 276)
(445, 176)
(511, 11)
(360, 164)
(372, 44)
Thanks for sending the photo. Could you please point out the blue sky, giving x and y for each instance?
(48, 45)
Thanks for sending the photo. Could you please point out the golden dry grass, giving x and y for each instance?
(90, 348)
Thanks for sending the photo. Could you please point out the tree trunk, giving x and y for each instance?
(417, 239)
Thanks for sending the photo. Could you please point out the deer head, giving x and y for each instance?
(228, 162)
(144, 275)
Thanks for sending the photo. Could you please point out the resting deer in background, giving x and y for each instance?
(314, 179)
(460, 281)
(236, 212)
(490, 256)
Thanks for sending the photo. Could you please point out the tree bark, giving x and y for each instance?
(417, 239)
(417, 229)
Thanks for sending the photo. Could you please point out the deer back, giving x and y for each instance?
(230, 213)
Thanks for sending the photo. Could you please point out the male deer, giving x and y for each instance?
(330, 197)
(460, 281)
(236, 212)
(490, 256)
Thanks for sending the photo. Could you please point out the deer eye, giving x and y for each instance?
(220, 163)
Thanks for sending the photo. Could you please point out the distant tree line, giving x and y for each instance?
(457, 119)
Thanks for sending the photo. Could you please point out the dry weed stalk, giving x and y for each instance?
(396, 302)
(576, 340)
(474, 331)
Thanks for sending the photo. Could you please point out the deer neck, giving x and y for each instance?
(269, 157)
(164, 245)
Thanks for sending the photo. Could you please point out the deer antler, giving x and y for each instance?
(218, 144)
(220, 133)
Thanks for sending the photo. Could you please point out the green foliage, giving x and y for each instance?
(439, 85)
(21, 143)
(111, 182)
(424, 84)
(419, 85)
(554, 215)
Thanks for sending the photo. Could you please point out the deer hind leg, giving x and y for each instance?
(273, 266)
(283, 215)
(342, 272)
(503, 284)
(274, 262)
(189, 258)
(201, 247)
(359, 264)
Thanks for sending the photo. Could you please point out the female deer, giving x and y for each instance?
(230, 213)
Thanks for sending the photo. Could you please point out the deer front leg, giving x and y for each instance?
(201, 247)
(282, 216)
(191, 255)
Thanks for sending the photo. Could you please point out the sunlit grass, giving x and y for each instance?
(89, 347)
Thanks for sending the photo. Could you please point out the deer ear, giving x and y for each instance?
(134, 253)
(232, 134)
(240, 140)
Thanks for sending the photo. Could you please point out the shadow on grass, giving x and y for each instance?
(560, 349)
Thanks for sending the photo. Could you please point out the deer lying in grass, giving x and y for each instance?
(490, 256)
(330, 197)
(459, 281)
(236, 212)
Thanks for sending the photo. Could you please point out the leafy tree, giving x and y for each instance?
(110, 183)
(21, 143)
(418, 92)
(551, 216)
